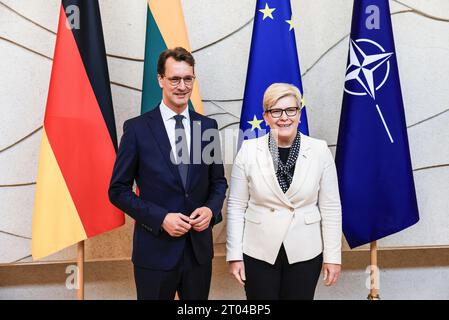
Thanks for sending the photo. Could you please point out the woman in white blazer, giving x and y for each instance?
(284, 212)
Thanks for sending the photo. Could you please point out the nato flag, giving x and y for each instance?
(373, 159)
(273, 58)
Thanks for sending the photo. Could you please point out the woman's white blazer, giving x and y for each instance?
(306, 219)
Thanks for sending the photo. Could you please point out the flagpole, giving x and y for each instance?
(80, 264)
(374, 274)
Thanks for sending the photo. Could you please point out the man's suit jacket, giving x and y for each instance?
(144, 156)
(306, 219)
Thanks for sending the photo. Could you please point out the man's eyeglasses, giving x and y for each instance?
(277, 113)
(176, 81)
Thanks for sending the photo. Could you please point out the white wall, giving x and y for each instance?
(404, 275)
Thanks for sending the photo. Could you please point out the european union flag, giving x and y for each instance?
(273, 58)
(373, 160)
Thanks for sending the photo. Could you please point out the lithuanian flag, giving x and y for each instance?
(165, 29)
(79, 139)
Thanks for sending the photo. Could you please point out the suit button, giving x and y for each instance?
(272, 209)
(292, 209)
(187, 195)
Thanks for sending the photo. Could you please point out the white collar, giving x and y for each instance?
(168, 113)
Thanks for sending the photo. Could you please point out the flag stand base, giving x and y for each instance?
(373, 297)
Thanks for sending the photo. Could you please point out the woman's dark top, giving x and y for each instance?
(283, 155)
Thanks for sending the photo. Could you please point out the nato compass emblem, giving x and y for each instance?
(361, 69)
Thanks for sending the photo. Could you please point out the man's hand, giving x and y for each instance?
(237, 269)
(331, 273)
(176, 224)
(200, 218)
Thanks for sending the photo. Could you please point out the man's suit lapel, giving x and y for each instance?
(157, 127)
(195, 135)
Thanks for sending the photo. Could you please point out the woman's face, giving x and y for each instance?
(284, 127)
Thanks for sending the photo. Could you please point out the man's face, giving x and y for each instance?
(175, 92)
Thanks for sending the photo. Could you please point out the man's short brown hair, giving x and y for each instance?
(178, 53)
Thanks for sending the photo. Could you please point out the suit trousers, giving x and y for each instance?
(281, 281)
(189, 278)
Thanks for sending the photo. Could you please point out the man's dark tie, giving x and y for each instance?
(182, 152)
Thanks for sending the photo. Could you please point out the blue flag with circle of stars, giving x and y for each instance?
(273, 58)
(373, 159)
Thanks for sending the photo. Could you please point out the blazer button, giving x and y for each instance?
(292, 209)
(272, 209)
(187, 195)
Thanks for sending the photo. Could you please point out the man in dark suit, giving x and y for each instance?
(181, 193)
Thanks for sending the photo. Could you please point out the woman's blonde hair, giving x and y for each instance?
(278, 91)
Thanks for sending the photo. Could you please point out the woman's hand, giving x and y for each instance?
(237, 269)
(331, 273)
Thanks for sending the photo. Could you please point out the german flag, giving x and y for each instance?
(165, 29)
(79, 139)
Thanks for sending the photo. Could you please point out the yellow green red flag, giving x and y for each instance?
(166, 28)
